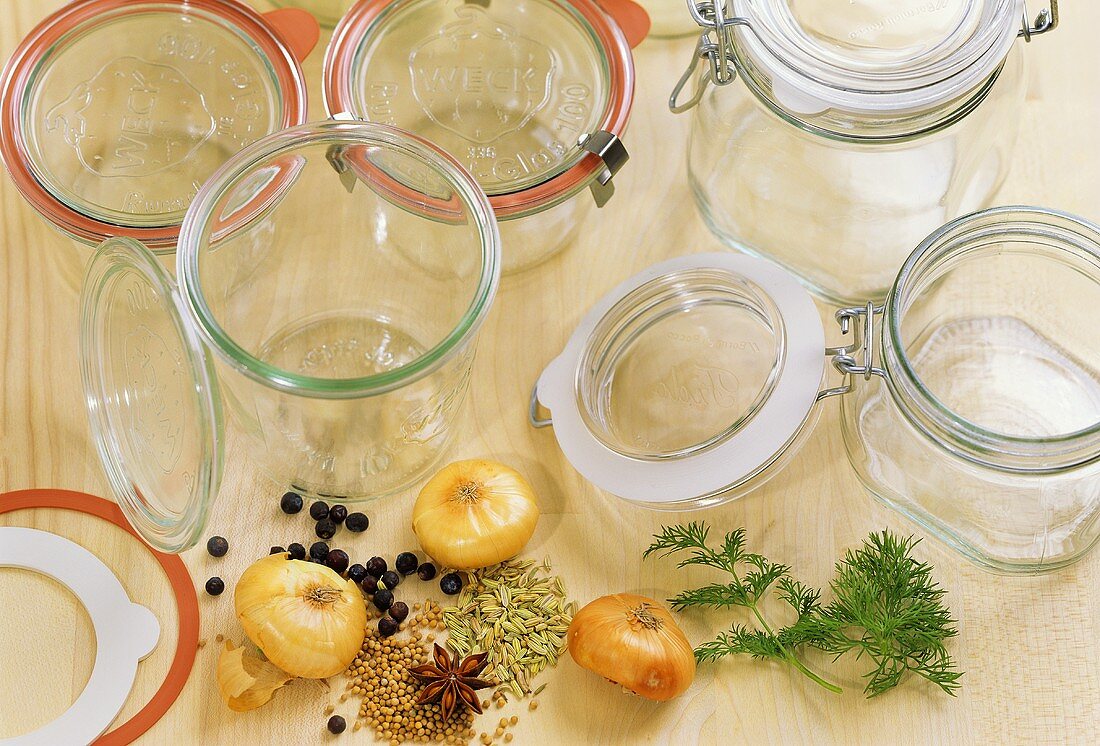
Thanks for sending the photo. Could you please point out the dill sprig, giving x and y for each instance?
(886, 608)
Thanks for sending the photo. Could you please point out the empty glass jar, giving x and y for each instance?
(531, 96)
(342, 357)
(112, 113)
(971, 399)
(855, 129)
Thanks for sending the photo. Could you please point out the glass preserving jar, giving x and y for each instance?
(857, 128)
(531, 96)
(343, 359)
(113, 113)
(971, 398)
(670, 18)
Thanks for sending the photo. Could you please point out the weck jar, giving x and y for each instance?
(970, 398)
(532, 96)
(113, 113)
(831, 137)
(340, 360)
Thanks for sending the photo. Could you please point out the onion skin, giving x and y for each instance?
(305, 618)
(644, 652)
(245, 681)
(474, 514)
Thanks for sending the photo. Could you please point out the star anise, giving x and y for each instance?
(451, 682)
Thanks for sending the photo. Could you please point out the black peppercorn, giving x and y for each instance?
(387, 626)
(277, 550)
(326, 529)
(451, 584)
(215, 586)
(217, 546)
(296, 551)
(337, 725)
(426, 571)
(291, 503)
(370, 584)
(337, 560)
(383, 599)
(406, 563)
(356, 522)
(337, 513)
(390, 579)
(399, 610)
(318, 551)
(376, 566)
(356, 573)
(318, 510)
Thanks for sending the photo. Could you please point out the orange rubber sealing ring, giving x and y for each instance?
(187, 603)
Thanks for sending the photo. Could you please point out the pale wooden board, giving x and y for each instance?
(1029, 646)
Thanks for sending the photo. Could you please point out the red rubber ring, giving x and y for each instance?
(187, 603)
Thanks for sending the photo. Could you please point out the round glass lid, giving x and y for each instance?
(151, 395)
(879, 46)
(508, 88)
(120, 111)
(688, 380)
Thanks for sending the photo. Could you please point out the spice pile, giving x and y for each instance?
(518, 613)
(380, 678)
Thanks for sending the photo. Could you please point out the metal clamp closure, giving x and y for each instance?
(534, 409)
(1047, 20)
(335, 155)
(715, 45)
(609, 149)
(858, 357)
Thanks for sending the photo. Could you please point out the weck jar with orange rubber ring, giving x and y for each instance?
(113, 113)
(532, 96)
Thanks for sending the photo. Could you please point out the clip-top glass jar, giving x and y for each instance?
(531, 96)
(857, 128)
(112, 113)
(343, 357)
(971, 399)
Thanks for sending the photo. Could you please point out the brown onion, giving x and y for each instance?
(634, 642)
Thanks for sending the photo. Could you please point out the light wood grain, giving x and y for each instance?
(1030, 646)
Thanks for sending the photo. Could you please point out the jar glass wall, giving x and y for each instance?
(987, 429)
(843, 211)
(345, 354)
(838, 137)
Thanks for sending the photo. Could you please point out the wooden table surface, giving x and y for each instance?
(1030, 646)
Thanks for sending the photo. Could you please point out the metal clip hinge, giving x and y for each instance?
(1047, 20)
(335, 156)
(715, 46)
(533, 410)
(859, 321)
(609, 149)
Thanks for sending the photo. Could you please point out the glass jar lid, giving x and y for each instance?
(510, 89)
(114, 113)
(690, 380)
(874, 56)
(152, 395)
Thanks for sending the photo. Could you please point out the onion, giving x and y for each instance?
(634, 642)
(305, 618)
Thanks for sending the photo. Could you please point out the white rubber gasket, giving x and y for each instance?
(125, 632)
(757, 444)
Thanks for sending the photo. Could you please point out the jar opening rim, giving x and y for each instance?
(197, 230)
(922, 406)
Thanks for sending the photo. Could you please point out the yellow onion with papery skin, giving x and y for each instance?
(475, 513)
(305, 618)
(633, 641)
